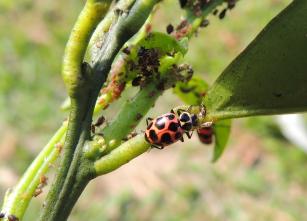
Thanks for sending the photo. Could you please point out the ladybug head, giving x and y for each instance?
(187, 121)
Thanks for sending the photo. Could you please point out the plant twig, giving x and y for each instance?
(19, 199)
(76, 172)
(122, 155)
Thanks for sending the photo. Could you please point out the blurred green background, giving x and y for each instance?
(261, 176)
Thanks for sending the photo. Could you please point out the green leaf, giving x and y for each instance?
(221, 131)
(270, 75)
(165, 43)
(191, 92)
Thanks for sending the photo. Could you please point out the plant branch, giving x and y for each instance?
(18, 200)
(122, 155)
(83, 94)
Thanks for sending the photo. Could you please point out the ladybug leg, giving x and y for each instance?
(156, 146)
(189, 135)
(172, 111)
(148, 119)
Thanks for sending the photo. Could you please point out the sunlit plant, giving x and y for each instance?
(112, 47)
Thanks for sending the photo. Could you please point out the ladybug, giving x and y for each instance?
(205, 134)
(163, 130)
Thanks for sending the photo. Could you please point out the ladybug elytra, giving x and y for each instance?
(169, 128)
(163, 130)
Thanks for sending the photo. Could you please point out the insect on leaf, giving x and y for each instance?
(192, 93)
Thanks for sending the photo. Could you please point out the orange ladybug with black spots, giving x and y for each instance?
(163, 130)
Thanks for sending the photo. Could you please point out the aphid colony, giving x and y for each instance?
(169, 128)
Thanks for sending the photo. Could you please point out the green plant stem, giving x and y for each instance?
(78, 83)
(73, 175)
(102, 29)
(90, 16)
(80, 120)
(122, 155)
(18, 201)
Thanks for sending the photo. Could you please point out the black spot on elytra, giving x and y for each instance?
(178, 135)
(184, 117)
(166, 138)
(153, 136)
(187, 126)
(149, 125)
(173, 127)
(160, 124)
(171, 116)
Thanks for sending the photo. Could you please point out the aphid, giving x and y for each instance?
(184, 23)
(148, 28)
(169, 29)
(138, 116)
(161, 86)
(215, 11)
(59, 147)
(43, 180)
(129, 136)
(127, 50)
(183, 3)
(12, 218)
(204, 23)
(136, 81)
(37, 192)
(163, 130)
(42, 183)
(231, 4)
(2, 215)
(223, 13)
(118, 11)
(93, 129)
(205, 134)
(100, 121)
